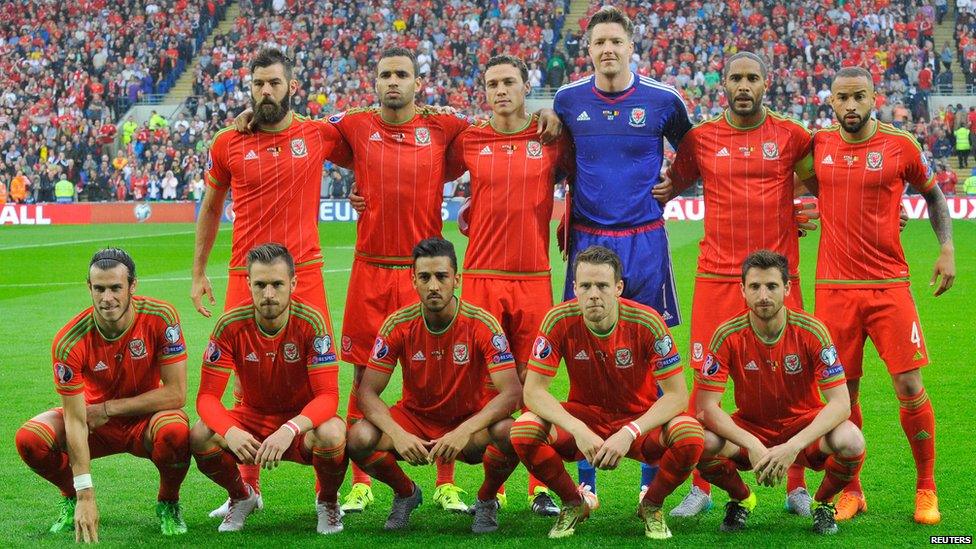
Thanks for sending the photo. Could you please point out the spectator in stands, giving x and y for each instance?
(64, 190)
(19, 186)
(947, 180)
(963, 145)
(169, 184)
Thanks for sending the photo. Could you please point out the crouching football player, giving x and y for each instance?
(120, 368)
(780, 360)
(446, 349)
(282, 352)
(617, 352)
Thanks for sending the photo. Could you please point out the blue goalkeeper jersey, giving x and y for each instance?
(619, 141)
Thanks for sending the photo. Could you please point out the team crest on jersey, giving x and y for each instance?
(638, 117)
(791, 363)
(625, 359)
(874, 160)
(213, 352)
(697, 351)
(290, 350)
(710, 366)
(421, 136)
(380, 349)
(499, 342)
(346, 344)
(829, 355)
(63, 372)
(460, 354)
(137, 348)
(663, 346)
(298, 148)
(542, 349)
(335, 118)
(770, 150)
(533, 149)
(173, 333)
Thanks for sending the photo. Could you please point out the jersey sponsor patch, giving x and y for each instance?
(673, 359)
(542, 348)
(663, 346)
(63, 372)
(137, 348)
(710, 366)
(212, 354)
(174, 349)
(791, 363)
(209, 161)
(503, 357)
(380, 349)
(100, 367)
(499, 342)
(832, 371)
(173, 333)
(460, 353)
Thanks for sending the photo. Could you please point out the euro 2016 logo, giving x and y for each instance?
(380, 349)
(542, 349)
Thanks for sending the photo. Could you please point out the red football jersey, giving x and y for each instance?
(127, 366)
(617, 372)
(861, 186)
(400, 171)
(443, 373)
(276, 183)
(747, 178)
(278, 373)
(774, 382)
(512, 177)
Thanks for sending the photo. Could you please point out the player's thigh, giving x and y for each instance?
(841, 311)
(714, 302)
(158, 421)
(531, 302)
(648, 274)
(373, 294)
(54, 420)
(892, 323)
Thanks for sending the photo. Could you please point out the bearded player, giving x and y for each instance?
(617, 354)
(446, 349)
(781, 360)
(273, 175)
(862, 287)
(281, 350)
(506, 266)
(120, 368)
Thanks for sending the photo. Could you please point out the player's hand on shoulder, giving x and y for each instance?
(449, 446)
(86, 517)
(244, 122)
(550, 126)
(95, 415)
(356, 200)
(412, 448)
(199, 288)
(242, 444)
(613, 449)
(274, 447)
(444, 109)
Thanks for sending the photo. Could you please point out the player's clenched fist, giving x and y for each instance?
(589, 443)
(242, 444)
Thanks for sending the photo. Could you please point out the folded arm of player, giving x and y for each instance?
(208, 223)
(76, 437)
(718, 421)
(410, 447)
(171, 396)
(945, 265)
(541, 402)
(673, 401)
(509, 390)
(771, 468)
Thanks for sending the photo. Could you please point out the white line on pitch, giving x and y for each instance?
(168, 279)
(90, 240)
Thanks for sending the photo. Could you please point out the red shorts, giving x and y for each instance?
(604, 424)
(310, 289)
(420, 426)
(375, 292)
(519, 304)
(886, 315)
(262, 424)
(778, 434)
(120, 435)
(716, 300)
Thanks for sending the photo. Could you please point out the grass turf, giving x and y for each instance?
(42, 272)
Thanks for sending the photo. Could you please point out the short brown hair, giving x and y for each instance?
(610, 14)
(401, 52)
(267, 254)
(765, 259)
(855, 72)
(509, 60)
(273, 56)
(598, 255)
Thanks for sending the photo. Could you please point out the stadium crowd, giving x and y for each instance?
(66, 133)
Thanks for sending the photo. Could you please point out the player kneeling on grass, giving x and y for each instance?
(617, 353)
(780, 360)
(446, 349)
(120, 367)
(281, 350)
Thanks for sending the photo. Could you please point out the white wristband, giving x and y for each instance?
(633, 429)
(83, 482)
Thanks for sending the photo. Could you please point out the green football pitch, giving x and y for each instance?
(42, 273)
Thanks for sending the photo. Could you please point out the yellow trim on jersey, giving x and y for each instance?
(859, 141)
(728, 119)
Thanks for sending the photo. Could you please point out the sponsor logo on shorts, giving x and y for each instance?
(499, 342)
(460, 354)
(663, 346)
(380, 349)
(542, 348)
(829, 355)
(137, 348)
(533, 149)
(63, 372)
(710, 367)
(290, 351)
(791, 363)
(173, 333)
(346, 344)
(625, 359)
(212, 355)
(322, 345)
(697, 351)
(421, 136)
